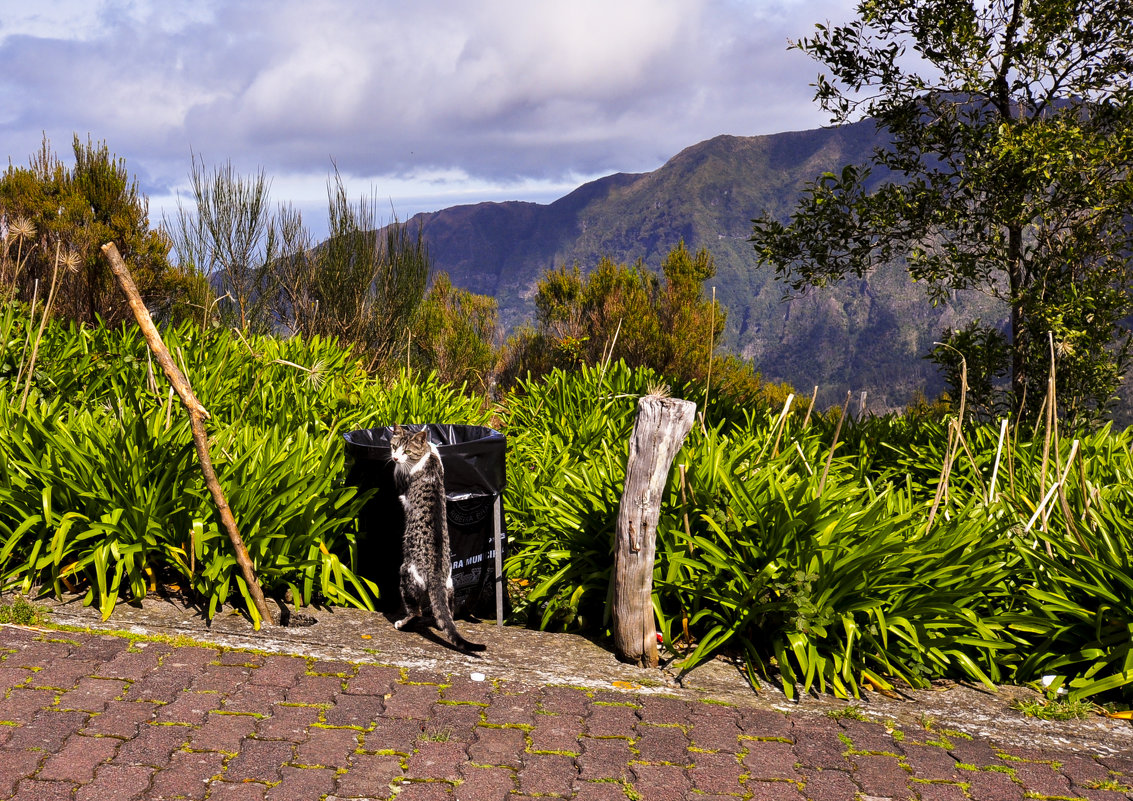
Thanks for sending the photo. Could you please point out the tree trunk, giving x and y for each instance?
(1017, 282)
(661, 427)
(197, 415)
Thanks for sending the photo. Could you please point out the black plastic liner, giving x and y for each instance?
(474, 459)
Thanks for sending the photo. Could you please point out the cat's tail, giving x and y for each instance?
(439, 596)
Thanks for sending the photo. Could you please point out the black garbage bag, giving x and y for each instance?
(474, 462)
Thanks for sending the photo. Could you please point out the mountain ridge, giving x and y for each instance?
(861, 334)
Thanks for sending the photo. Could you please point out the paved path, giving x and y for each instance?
(95, 717)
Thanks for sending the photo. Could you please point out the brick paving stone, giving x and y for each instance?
(189, 707)
(662, 744)
(287, 722)
(1020, 752)
(939, 791)
(817, 745)
(465, 691)
(21, 705)
(222, 732)
(1041, 778)
(361, 711)
(411, 701)
(103, 647)
(15, 765)
(716, 773)
(598, 791)
(931, 763)
(278, 671)
(130, 665)
(425, 791)
(564, 701)
(334, 667)
(716, 733)
(990, 785)
(162, 685)
(6, 730)
(368, 776)
(766, 724)
(231, 656)
(454, 721)
(154, 745)
(329, 748)
(116, 783)
(1123, 765)
(77, 759)
(187, 776)
(770, 759)
(92, 695)
(260, 760)
(36, 790)
(253, 698)
(660, 782)
(436, 760)
(221, 678)
(236, 791)
(486, 784)
(302, 784)
(869, 736)
(603, 758)
(121, 719)
(1102, 795)
(973, 752)
(189, 658)
(1082, 770)
(494, 746)
(314, 690)
(881, 776)
(47, 730)
(780, 791)
(393, 734)
(547, 774)
(827, 785)
(12, 677)
(611, 721)
(663, 709)
(41, 654)
(512, 708)
(556, 733)
(373, 680)
(64, 674)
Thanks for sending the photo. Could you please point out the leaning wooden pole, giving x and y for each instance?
(658, 433)
(197, 416)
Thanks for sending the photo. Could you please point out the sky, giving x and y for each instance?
(419, 105)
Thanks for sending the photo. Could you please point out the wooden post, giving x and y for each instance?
(197, 415)
(661, 427)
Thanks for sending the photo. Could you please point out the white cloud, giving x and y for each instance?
(431, 99)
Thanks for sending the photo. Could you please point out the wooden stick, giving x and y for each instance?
(661, 427)
(197, 416)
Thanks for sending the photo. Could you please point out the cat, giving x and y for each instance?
(426, 568)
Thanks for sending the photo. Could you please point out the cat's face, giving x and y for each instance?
(407, 447)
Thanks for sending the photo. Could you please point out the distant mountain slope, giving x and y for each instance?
(861, 335)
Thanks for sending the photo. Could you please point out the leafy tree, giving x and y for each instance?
(72, 212)
(1009, 171)
(455, 334)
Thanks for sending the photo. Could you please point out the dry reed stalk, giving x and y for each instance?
(1051, 493)
(42, 327)
(834, 444)
(998, 453)
(945, 472)
(1049, 435)
(27, 339)
(802, 456)
(779, 426)
(810, 408)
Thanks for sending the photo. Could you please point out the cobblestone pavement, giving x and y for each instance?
(107, 718)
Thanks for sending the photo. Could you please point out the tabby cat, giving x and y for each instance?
(426, 569)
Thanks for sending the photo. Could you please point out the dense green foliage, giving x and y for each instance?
(885, 551)
(1008, 168)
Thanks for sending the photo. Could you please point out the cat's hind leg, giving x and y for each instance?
(413, 591)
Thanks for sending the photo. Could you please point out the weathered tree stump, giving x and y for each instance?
(658, 433)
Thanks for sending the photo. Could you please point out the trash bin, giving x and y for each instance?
(474, 461)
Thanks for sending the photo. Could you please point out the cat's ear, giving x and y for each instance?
(397, 432)
(422, 436)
